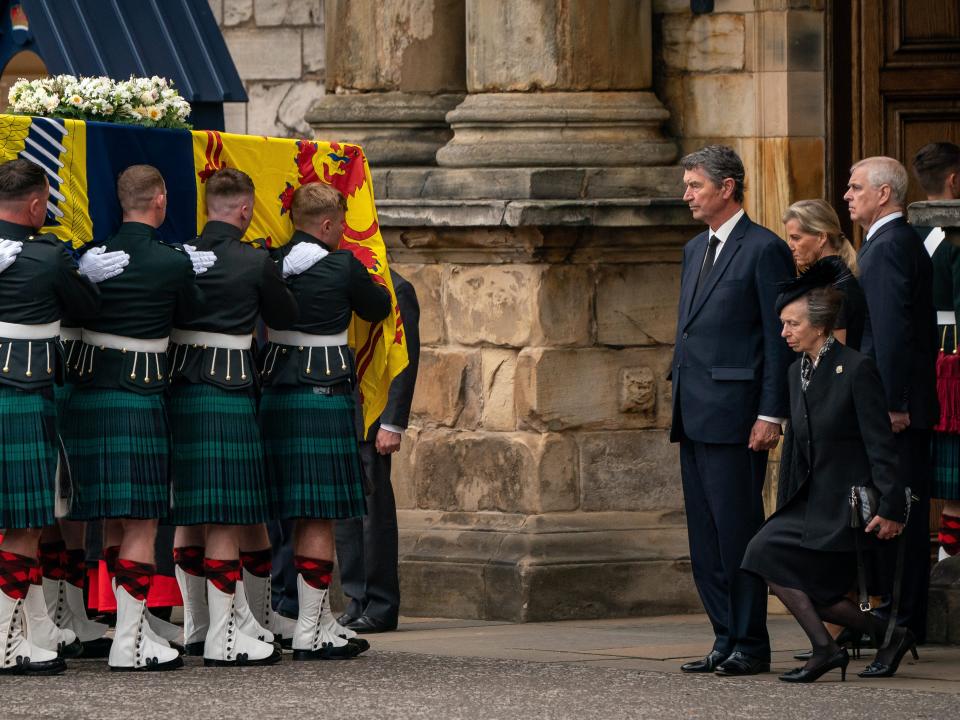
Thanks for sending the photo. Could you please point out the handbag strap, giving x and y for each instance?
(897, 585)
(864, 598)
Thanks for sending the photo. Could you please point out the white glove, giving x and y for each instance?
(302, 257)
(98, 265)
(9, 249)
(202, 260)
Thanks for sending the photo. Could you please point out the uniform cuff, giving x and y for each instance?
(391, 428)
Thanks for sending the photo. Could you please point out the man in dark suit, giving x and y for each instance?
(367, 547)
(896, 276)
(730, 397)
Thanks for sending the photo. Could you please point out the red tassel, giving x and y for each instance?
(948, 392)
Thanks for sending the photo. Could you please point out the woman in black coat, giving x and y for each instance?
(839, 436)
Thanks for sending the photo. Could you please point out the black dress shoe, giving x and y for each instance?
(367, 624)
(741, 664)
(346, 619)
(903, 640)
(707, 665)
(840, 659)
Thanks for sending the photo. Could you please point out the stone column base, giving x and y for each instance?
(558, 129)
(394, 128)
(526, 568)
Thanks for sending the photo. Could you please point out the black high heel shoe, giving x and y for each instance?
(906, 642)
(840, 659)
(846, 638)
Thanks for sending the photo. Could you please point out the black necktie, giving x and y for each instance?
(708, 262)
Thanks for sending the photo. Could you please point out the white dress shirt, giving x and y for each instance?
(881, 222)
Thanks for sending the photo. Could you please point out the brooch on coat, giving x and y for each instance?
(839, 369)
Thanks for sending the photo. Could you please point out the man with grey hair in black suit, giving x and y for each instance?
(367, 547)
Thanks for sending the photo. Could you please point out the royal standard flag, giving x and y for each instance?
(83, 159)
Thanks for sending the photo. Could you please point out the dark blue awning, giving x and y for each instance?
(176, 39)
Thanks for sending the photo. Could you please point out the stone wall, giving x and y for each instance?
(751, 75)
(278, 47)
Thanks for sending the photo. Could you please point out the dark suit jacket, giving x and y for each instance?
(729, 361)
(896, 277)
(400, 397)
(839, 435)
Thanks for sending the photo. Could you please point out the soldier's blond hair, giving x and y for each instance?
(138, 185)
(316, 201)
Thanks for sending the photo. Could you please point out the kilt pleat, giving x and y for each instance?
(61, 394)
(946, 466)
(217, 457)
(313, 460)
(119, 451)
(28, 458)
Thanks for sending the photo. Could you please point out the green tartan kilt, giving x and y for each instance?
(217, 457)
(61, 394)
(946, 466)
(313, 460)
(119, 451)
(28, 458)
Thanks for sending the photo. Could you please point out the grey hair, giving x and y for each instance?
(718, 162)
(882, 170)
(823, 307)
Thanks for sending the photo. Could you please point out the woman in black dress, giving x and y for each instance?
(839, 436)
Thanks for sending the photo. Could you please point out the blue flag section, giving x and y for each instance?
(112, 148)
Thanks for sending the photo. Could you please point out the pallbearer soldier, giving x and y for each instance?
(116, 430)
(306, 413)
(34, 293)
(218, 472)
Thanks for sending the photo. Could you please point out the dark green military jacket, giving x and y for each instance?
(139, 303)
(242, 284)
(38, 288)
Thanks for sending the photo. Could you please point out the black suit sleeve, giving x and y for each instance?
(190, 298)
(878, 440)
(888, 292)
(400, 397)
(79, 297)
(278, 306)
(367, 299)
(775, 266)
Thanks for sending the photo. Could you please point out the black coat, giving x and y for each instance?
(839, 435)
(896, 277)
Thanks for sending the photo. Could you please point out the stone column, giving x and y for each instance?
(394, 69)
(558, 84)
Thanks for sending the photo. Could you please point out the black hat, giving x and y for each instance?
(830, 271)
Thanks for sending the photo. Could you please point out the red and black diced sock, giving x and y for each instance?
(134, 577)
(75, 566)
(224, 574)
(316, 573)
(15, 573)
(190, 559)
(257, 562)
(51, 559)
(110, 555)
(950, 534)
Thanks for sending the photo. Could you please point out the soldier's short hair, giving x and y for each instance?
(933, 163)
(138, 185)
(226, 186)
(20, 178)
(718, 162)
(316, 200)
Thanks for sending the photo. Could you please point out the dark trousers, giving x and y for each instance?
(722, 491)
(917, 465)
(367, 547)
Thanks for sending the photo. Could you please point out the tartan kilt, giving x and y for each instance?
(61, 394)
(216, 457)
(946, 466)
(28, 458)
(119, 448)
(313, 458)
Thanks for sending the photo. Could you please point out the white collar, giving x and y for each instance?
(881, 222)
(723, 232)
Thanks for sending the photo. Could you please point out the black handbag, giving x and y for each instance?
(864, 503)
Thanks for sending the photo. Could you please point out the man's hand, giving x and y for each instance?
(886, 529)
(899, 421)
(302, 257)
(202, 260)
(764, 436)
(9, 249)
(98, 265)
(387, 442)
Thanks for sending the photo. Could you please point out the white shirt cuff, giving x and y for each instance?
(767, 418)
(391, 428)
